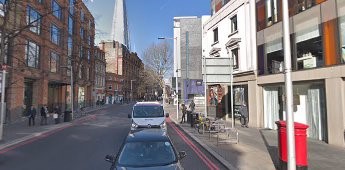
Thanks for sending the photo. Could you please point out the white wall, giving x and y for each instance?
(221, 20)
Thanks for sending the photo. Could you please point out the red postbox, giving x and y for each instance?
(300, 145)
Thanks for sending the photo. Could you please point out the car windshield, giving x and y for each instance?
(143, 154)
(148, 111)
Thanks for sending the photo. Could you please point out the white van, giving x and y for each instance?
(148, 115)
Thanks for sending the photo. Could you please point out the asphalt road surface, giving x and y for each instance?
(84, 144)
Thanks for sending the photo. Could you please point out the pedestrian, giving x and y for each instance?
(244, 115)
(184, 112)
(43, 115)
(57, 114)
(192, 106)
(32, 115)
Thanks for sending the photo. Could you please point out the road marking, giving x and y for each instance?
(198, 152)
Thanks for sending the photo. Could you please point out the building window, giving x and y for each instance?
(82, 16)
(33, 19)
(56, 10)
(215, 35)
(80, 72)
(271, 12)
(55, 34)
(81, 52)
(87, 73)
(234, 54)
(110, 87)
(69, 46)
(71, 6)
(32, 52)
(82, 33)
(234, 24)
(54, 62)
(70, 25)
(302, 5)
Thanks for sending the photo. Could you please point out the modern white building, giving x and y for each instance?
(230, 35)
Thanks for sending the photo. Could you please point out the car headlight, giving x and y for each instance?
(134, 125)
(163, 125)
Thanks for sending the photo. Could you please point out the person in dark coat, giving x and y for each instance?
(32, 115)
(184, 112)
(244, 115)
(58, 112)
(43, 115)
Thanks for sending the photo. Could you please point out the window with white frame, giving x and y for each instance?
(33, 19)
(233, 24)
(234, 53)
(215, 35)
(32, 52)
(54, 62)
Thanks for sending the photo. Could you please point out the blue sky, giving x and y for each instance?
(148, 19)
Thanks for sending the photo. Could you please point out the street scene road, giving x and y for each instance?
(84, 144)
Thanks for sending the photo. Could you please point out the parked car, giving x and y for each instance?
(148, 115)
(147, 149)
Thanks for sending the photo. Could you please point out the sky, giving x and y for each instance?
(148, 19)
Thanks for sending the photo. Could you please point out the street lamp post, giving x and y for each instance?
(176, 81)
(132, 89)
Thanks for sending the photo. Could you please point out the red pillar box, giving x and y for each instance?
(300, 145)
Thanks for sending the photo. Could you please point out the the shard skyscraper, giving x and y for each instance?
(120, 25)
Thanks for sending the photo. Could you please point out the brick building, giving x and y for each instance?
(100, 63)
(122, 71)
(53, 35)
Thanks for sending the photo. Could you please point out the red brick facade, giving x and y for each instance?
(48, 81)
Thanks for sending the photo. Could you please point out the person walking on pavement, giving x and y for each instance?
(244, 115)
(57, 113)
(192, 106)
(184, 111)
(32, 115)
(43, 115)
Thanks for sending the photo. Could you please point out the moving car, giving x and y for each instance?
(147, 149)
(148, 115)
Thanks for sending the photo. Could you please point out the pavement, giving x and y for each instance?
(258, 148)
(18, 131)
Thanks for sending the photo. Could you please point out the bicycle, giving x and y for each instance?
(202, 124)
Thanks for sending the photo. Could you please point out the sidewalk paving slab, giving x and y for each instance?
(258, 148)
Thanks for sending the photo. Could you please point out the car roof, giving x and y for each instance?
(147, 135)
(148, 104)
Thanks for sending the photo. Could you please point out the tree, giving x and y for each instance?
(158, 61)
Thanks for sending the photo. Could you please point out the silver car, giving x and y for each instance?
(147, 149)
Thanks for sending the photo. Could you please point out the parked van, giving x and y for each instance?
(148, 115)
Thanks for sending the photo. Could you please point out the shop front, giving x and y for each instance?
(309, 107)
